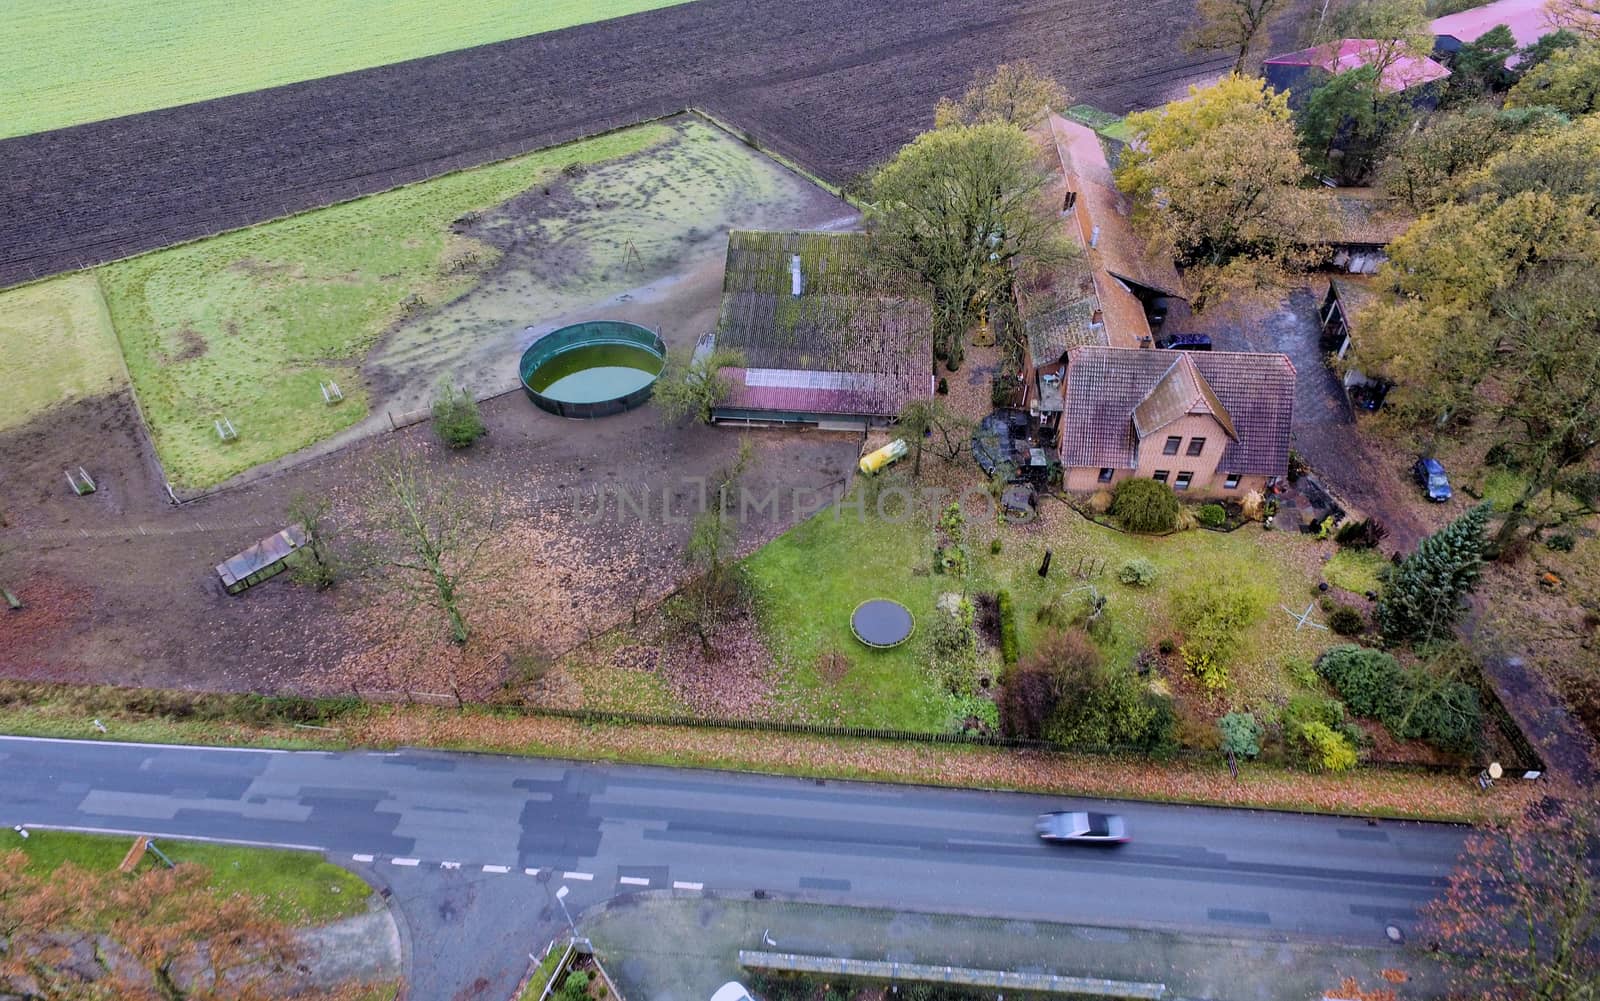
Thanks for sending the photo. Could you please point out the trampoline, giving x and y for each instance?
(881, 623)
(592, 369)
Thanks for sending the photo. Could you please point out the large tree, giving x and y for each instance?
(1425, 166)
(1216, 182)
(1349, 123)
(1398, 29)
(716, 587)
(1568, 81)
(1236, 26)
(1423, 596)
(929, 422)
(1520, 916)
(954, 211)
(1017, 93)
(1578, 17)
(694, 384)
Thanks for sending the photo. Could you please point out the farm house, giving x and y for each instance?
(822, 343)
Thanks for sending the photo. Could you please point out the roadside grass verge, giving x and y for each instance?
(246, 325)
(71, 61)
(61, 711)
(296, 887)
(56, 346)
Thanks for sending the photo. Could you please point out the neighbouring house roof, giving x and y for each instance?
(849, 343)
(1362, 216)
(1119, 250)
(1347, 54)
(1112, 392)
(1528, 20)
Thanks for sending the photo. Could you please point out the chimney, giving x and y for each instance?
(1094, 237)
(797, 283)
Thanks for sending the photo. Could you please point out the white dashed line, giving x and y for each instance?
(633, 881)
(362, 858)
(405, 861)
(677, 885)
(449, 865)
(497, 868)
(585, 876)
(531, 872)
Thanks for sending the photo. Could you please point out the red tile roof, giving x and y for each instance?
(1348, 54)
(1528, 20)
(1105, 387)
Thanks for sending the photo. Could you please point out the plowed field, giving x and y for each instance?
(835, 84)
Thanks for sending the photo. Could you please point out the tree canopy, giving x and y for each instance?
(1017, 93)
(1236, 26)
(954, 211)
(1215, 180)
(1568, 81)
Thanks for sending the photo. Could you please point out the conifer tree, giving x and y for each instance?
(1422, 597)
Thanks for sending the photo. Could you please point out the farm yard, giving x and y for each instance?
(384, 295)
(157, 54)
(835, 86)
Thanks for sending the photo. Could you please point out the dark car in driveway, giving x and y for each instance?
(1068, 827)
(1430, 476)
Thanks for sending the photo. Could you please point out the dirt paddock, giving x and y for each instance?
(120, 588)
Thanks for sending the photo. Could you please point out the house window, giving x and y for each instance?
(1106, 472)
(1196, 446)
(1183, 481)
(1172, 445)
(1232, 482)
(1160, 476)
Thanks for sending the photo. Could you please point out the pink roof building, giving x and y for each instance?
(1403, 73)
(1528, 20)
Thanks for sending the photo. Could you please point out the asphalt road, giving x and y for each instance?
(512, 830)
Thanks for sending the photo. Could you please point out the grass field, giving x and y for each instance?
(64, 62)
(298, 887)
(811, 578)
(245, 325)
(56, 345)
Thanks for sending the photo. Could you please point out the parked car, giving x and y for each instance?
(1186, 342)
(1431, 478)
(1085, 828)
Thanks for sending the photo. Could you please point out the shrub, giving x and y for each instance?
(1303, 709)
(1253, 506)
(1212, 515)
(1561, 542)
(1212, 615)
(973, 707)
(1143, 505)
(953, 648)
(944, 387)
(1329, 750)
(1346, 620)
(1368, 680)
(1008, 627)
(1027, 699)
(994, 546)
(1363, 534)
(1138, 573)
(455, 415)
(952, 521)
(1241, 734)
(1096, 705)
(1100, 501)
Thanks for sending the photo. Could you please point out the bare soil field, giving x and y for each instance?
(835, 84)
(119, 586)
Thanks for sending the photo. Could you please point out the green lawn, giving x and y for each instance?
(245, 325)
(56, 346)
(294, 886)
(63, 62)
(1355, 570)
(811, 578)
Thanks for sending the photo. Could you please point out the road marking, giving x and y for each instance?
(159, 747)
(531, 872)
(680, 885)
(634, 881)
(579, 875)
(362, 858)
(497, 868)
(449, 865)
(405, 861)
(176, 837)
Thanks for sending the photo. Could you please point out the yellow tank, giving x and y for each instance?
(876, 460)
